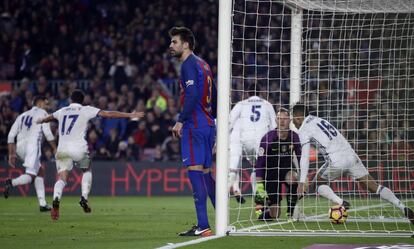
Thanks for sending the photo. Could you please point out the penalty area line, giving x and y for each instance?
(190, 242)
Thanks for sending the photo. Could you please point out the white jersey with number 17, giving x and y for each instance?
(73, 123)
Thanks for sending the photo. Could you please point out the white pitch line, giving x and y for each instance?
(191, 242)
(200, 240)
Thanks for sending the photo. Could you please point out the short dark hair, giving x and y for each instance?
(300, 109)
(282, 109)
(77, 96)
(38, 98)
(185, 34)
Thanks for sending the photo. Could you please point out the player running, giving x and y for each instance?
(250, 119)
(195, 125)
(73, 148)
(340, 160)
(28, 148)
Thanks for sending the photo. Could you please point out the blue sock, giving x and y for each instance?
(211, 187)
(200, 197)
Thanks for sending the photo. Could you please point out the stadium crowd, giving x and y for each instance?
(117, 52)
(118, 49)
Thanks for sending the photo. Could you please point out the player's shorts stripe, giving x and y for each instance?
(195, 119)
(190, 138)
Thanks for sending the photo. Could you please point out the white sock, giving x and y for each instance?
(236, 184)
(253, 182)
(327, 192)
(57, 191)
(86, 183)
(232, 178)
(386, 194)
(22, 180)
(40, 190)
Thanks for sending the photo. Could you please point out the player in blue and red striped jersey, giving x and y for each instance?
(195, 125)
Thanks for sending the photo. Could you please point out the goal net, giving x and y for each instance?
(353, 62)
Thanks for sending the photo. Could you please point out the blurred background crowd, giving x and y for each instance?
(117, 51)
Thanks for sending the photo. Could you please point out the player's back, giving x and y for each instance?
(73, 123)
(28, 130)
(256, 116)
(328, 139)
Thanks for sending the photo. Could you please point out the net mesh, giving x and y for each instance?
(357, 73)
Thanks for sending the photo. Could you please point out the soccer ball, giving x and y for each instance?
(338, 214)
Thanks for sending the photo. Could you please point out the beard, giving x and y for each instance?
(176, 54)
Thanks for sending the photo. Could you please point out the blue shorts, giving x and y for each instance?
(197, 146)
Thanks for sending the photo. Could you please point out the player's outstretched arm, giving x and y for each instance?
(45, 120)
(115, 114)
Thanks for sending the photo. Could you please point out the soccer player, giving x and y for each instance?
(250, 119)
(340, 160)
(28, 149)
(73, 148)
(195, 125)
(276, 165)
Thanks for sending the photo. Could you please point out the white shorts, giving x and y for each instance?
(238, 150)
(66, 159)
(341, 165)
(30, 155)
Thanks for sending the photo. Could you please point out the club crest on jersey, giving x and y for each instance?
(189, 83)
(261, 151)
(284, 148)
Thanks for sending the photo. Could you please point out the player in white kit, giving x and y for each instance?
(73, 148)
(28, 149)
(340, 160)
(250, 120)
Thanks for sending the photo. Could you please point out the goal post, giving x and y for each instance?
(353, 62)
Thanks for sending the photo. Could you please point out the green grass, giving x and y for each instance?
(128, 222)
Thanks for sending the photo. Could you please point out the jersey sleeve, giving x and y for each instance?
(57, 114)
(47, 132)
(296, 145)
(234, 115)
(304, 159)
(272, 116)
(14, 130)
(189, 76)
(91, 112)
(262, 154)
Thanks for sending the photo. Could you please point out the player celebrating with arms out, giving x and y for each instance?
(28, 148)
(73, 148)
(195, 125)
(340, 160)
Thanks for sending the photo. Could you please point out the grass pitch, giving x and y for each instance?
(129, 222)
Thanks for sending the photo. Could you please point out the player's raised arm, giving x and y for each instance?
(116, 114)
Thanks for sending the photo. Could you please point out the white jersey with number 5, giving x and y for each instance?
(73, 123)
(332, 145)
(254, 116)
(250, 119)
